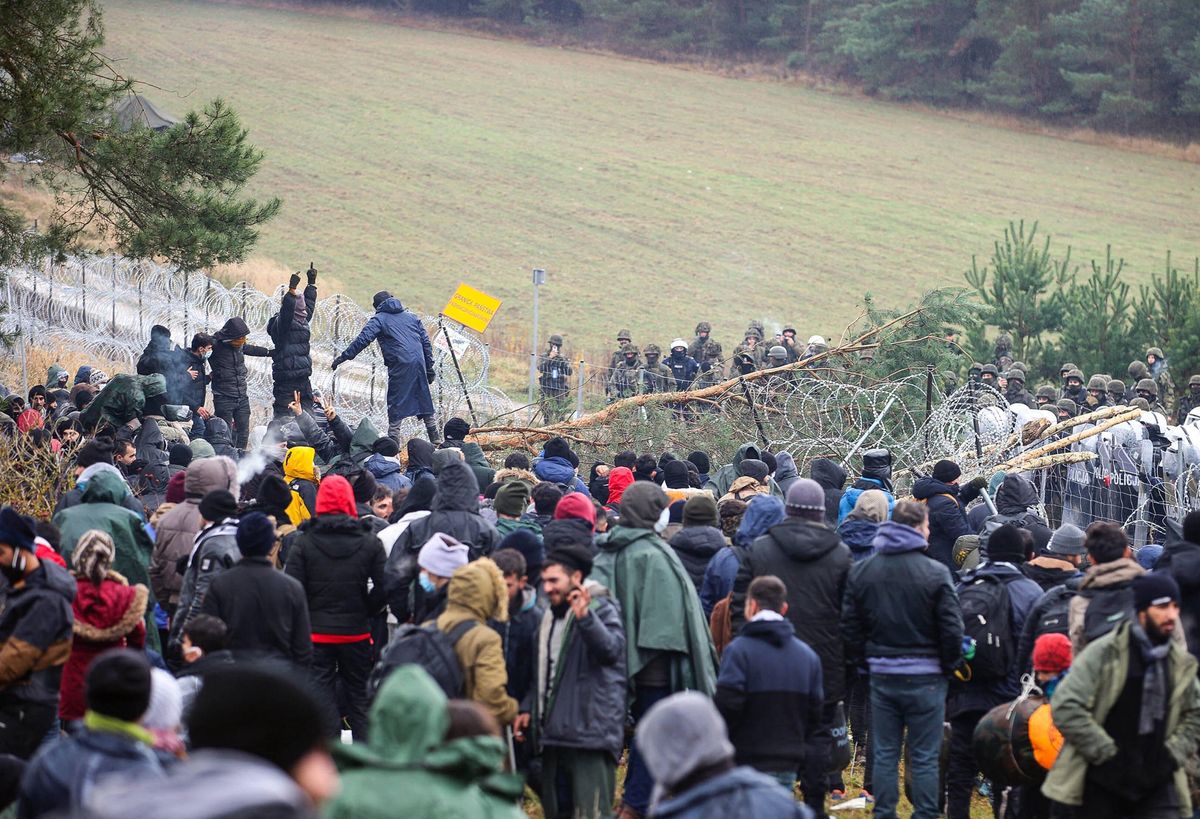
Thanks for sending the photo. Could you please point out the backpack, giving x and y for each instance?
(426, 646)
(1055, 618)
(986, 619)
(1107, 609)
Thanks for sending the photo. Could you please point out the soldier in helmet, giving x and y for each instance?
(623, 337)
(1147, 390)
(1016, 393)
(1046, 395)
(975, 371)
(555, 372)
(1066, 409)
(1190, 400)
(990, 375)
(816, 345)
(656, 376)
(703, 336)
(789, 343)
(683, 367)
(1073, 387)
(712, 371)
(1064, 371)
(1160, 371)
(1137, 370)
(1003, 349)
(626, 378)
(1116, 392)
(752, 347)
(1097, 392)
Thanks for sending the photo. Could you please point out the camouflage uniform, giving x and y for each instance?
(756, 353)
(623, 338)
(1190, 400)
(1148, 391)
(626, 378)
(656, 376)
(696, 348)
(1160, 371)
(712, 371)
(554, 371)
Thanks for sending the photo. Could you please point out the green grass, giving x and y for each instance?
(655, 196)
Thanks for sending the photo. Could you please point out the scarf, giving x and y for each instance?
(1154, 683)
(111, 725)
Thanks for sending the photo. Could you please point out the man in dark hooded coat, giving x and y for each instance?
(408, 356)
(291, 363)
(228, 365)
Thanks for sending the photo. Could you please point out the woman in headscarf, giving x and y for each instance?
(858, 529)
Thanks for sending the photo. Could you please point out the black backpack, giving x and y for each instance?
(986, 619)
(1107, 609)
(428, 647)
(1056, 616)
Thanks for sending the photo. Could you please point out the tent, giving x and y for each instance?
(137, 110)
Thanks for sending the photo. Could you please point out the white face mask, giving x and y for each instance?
(664, 519)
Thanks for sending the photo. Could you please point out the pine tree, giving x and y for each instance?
(1097, 327)
(175, 194)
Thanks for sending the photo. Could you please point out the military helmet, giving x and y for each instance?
(990, 369)
(976, 367)
(1156, 352)
(703, 327)
(712, 349)
(1140, 403)
(1194, 381)
(556, 341)
(1067, 405)
(652, 349)
(1147, 385)
(791, 330)
(1015, 375)
(753, 331)
(624, 335)
(1097, 382)
(1077, 374)
(778, 351)
(817, 341)
(1138, 370)
(629, 347)
(1066, 368)
(1116, 386)
(1048, 392)
(1019, 365)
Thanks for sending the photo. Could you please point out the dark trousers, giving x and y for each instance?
(638, 782)
(23, 727)
(918, 703)
(961, 768)
(577, 783)
(815, 775)
(859, 708)
(237, 415)
(349, 664)
(1099, 803)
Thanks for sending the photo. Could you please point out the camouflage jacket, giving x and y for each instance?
(657, 378)
(554, 374)
(625, 381)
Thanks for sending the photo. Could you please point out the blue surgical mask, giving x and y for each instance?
(426, 584)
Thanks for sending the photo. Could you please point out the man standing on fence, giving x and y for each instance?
(554, 371)
(231, 401)
(408, 356)
(291, 365)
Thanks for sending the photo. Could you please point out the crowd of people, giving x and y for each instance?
(318, 625)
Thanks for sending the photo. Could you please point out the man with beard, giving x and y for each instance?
(1129, 715)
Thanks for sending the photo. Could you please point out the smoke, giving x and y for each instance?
(255, 460)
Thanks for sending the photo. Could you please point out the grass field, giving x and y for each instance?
(655, 196)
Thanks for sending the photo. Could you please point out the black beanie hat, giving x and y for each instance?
(701, 461)
(572, 557)
(386, 446)
(255, 535)
(946, 471)
(273, 493)
(218, 505)
(769, 459)
(1154, 589)
(456, 429)
(259, 711)
(379, 298)
(1006, 544)
(118, 685)
(179, 454)
(675, 475)
(95, 451)
(15, 530)
(364, 486)
(754, 468)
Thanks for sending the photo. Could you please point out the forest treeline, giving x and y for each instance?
(1130, 66)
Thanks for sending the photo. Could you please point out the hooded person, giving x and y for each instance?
(876, 474)
(231, 398)
(1181, 559)
(420, 459)
(688, 754)
(1016, 503)
(812, 562)
(722, 480)
(339, 562)
(752, 519)
(108, 613)
(701, 462)
(832, 478)
(176, 531)
(947, 520)
(408, 356)
(384, 465)
(619, 480)
(214, 551)
(558, 465)
(455, 432)
(122, 400)
(786, 472)
(291, 359)
(455, 512)
(216, 432)
(303, 478)
(668, 647)
(408, 768)
(859, 528)
(698, 542)
(102, 509)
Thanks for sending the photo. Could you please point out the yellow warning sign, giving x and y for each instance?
(471, 308)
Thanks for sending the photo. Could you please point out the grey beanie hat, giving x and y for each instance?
(681, 735)
(805, 498)
(642, 504)
(1067, 540)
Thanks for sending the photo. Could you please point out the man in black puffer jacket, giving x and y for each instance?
(340, 563)
(813, 563)
(946, 501)
(228, 377)
(291, 363)
(455, 513)
(700, 538)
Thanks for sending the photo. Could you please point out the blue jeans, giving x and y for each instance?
(917, 703)
(199, 428)
(638, 782)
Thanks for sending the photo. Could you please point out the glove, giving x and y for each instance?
(294, 281)
(312, 275)
(337, 362)
(429, 376)
(979, 482)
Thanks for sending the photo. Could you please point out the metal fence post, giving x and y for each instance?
(112, 328)
(579, 391)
